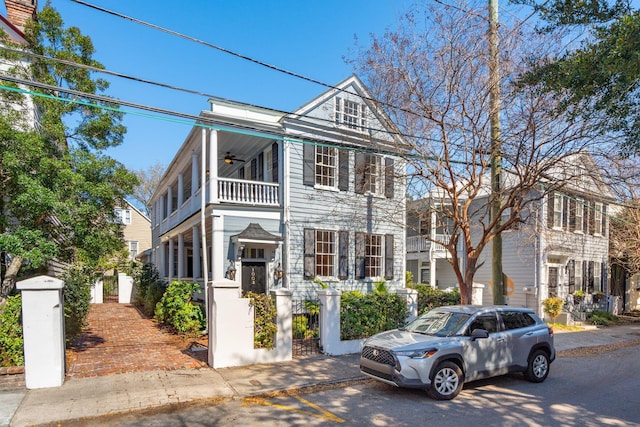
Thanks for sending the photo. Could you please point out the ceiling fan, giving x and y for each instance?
(230, 158)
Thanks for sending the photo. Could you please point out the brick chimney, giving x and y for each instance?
(19, 11)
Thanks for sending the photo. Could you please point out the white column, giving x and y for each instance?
(194, 173)
(170, 272)
(213, 166)
(180, 189)
(180, 256)
(196, 252)
(43, 331)
(217, 256)
(161, 263)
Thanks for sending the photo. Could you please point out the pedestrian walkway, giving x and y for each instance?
(118, 339)
(81, 399)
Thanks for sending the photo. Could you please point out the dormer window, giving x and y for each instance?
(350, 114)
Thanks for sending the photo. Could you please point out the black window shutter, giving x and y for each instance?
(572, 215)
(550, 204)
(585, 275)
(274, 163)
(254, 169)
(604, 220)
(389, 175)
(309, 253)
(360, 259)
(359, 173)
(586, 213)
(309, 164)
(241, 173)
(261, 167)
(592, 217)
(343, 170)
(591, 277)
(572, 276)
(565, 211)
(343, 255)
(388, 256)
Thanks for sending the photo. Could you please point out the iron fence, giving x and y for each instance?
(306, 328)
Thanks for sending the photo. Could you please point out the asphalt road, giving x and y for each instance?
(595, 390)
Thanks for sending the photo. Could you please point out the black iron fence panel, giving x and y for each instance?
(306, 327)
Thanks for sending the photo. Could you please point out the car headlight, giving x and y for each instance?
(417, 354)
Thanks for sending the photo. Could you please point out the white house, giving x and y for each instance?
(277, 199)
(562, 247)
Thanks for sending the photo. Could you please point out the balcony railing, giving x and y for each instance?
(248, 192)
(421, 244)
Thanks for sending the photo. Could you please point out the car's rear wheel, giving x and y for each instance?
(446, 382)
(538, 367)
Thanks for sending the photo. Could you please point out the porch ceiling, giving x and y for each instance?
(243, 147)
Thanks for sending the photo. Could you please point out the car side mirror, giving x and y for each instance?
(479, 333)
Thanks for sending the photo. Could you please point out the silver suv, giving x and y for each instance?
(449, 346)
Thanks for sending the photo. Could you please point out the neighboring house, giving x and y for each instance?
(279, 199)
(563, 246)
(136, 230)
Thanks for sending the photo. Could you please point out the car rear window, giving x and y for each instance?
(516, 319)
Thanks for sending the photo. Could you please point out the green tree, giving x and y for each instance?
(59, 189)
(599, 80)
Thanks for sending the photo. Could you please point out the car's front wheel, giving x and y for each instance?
(538, 367)
(446, 382)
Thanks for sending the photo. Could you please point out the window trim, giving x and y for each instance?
(597, 216)
(334, 176)
(355, 121)
(557, 211)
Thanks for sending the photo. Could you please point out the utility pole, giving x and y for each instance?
(496, 152)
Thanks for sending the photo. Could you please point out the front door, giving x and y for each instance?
(254, 277)
(553, 281)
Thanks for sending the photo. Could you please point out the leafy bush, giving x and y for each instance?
(265, 326)
(149, 288)
(602, 318)
(363, 315)
(177, 309)
(552, 307)
(300, 325)
(77, 298)
(429, 298)
(11, 341)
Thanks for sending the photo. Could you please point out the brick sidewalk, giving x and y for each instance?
(119, 339)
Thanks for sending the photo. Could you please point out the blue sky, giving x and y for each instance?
(308, 37)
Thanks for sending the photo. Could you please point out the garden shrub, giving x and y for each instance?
(149, 288)
(363, 315)
(601, 318)
(429, 298)
(177, 310)
(265, 320)
(77, 298)
(11, 341)
(552, 307)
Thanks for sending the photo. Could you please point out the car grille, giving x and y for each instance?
(378, 355)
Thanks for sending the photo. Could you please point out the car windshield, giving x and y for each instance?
(438, 323)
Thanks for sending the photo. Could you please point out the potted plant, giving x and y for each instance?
(578, 296)
(598, 297)
(552, 307)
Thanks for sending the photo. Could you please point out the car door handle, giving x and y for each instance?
(500, 339)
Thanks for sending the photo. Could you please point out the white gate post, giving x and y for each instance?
(329, 319)
(43, 330)
(125, 288)
(410, 296)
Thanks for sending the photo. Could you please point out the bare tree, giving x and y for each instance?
(431, 76)
(149, 179)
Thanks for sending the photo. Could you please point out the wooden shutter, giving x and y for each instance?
(572, 276)
(572, 215)
(343, 255)
(275, 172)
(550, 203)
(343, 170)
(389, 175)
(565, 212)
(254, 169)
(586, 213)
(604, 220)
(309, 253)
(359, 172)
(591, 277)
(309, 164)
(592, 217)
(360, 258)
(585, 275)
(261, 167)
(388, 256)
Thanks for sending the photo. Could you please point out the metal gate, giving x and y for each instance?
(306, 328)
(110, 288)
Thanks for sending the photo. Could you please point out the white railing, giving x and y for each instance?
(248, 192)
(421, 244)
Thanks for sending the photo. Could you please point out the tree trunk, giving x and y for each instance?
(9, 281)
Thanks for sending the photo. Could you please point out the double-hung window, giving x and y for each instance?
(373, 257)
(557, 210)
(123, 216)
(326, 165)
(325, 253)
(579, 215)
(597, 219)
(350, 114)
(133, 249)
(373, 175)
